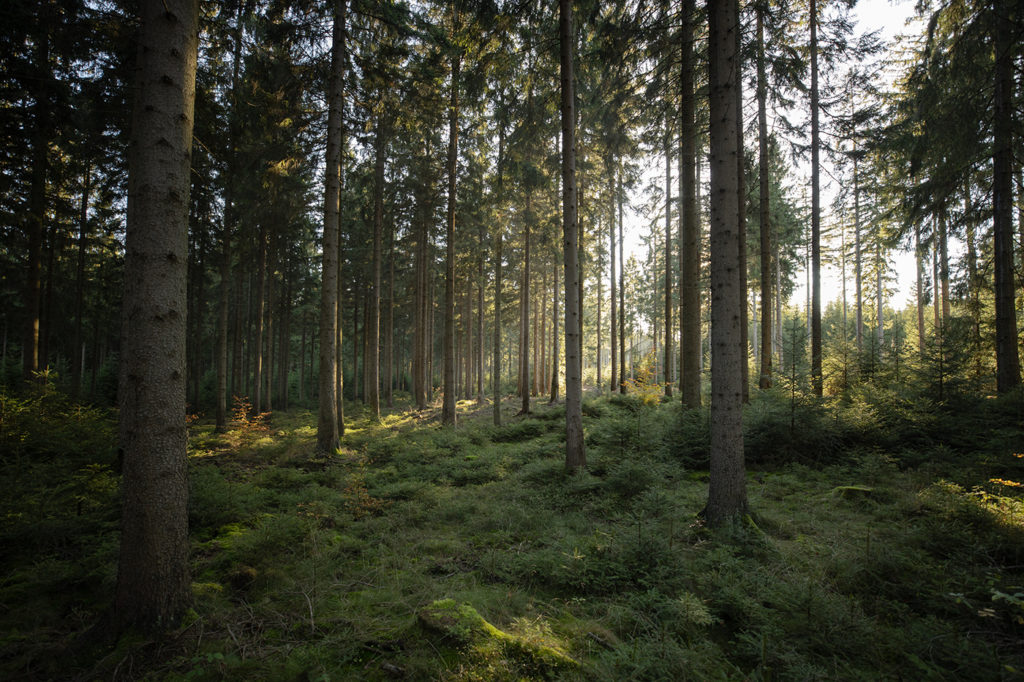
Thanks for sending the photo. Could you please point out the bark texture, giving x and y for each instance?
(575, 455)
(327, 426)
(689, 323)
(727, 496)
(153, 586)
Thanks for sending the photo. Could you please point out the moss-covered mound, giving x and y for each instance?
(462, 625)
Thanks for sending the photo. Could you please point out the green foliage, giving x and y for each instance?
(874, 534)
(45, 424)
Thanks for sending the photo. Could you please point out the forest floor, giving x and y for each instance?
(885, 540)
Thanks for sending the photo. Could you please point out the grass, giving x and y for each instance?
(864, 557)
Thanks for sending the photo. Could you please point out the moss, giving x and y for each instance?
(462, 624)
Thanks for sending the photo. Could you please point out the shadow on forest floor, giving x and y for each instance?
(880, 545)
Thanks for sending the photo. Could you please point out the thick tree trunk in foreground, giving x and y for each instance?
(153, 586)
(327, 436)
(727, 497)
(575, 456)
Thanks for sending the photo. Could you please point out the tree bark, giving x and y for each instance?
(920, 288)
(258, 355)
(690, 323)
(328, 437)
(764, 208)
(575, 455)
(1007, 354)
(554, 341)
(622, 297)
(498, 258)
(611, 278)
(373, 341)
(741, 201)
(37, 200)
(727, 483)
(816, 378)
(77, 349)
(879, 302)
(859, 286)
(668, 257)
(153, 585)
(448, 404)
(524, 306)
(389, 325)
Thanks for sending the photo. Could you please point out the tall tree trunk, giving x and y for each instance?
(448, 405)
(943, 270)
(339, 362)
(153, 585)
(816, 378)
(727, 496)
(237, 387)
(430, 332)
(622, 296)
(554, 341)
(283, 342)
(373, 340)
(668, 255)
(535, 313)
(268, 333)
(856, 258)
(764, 208)
(611, 250)
(339, 356)
(879, 301)
(302, 359)
(918, 256)
(973, 286)
(1007, 355)
(936, 286)
(524, 305)
(419, 357)
(690, 322)
(36, 214)
(741, 194)
(230, 219)
(327, 435)
(365, 344)
(541, 338)
(77, 349)
(575, 455)
(479, 318)
(498, 257)
(258, 356)
(389, 325)
(357, 350)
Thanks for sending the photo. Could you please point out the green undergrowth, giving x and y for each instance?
(882, 543)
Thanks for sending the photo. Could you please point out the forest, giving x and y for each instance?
(508, 340)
